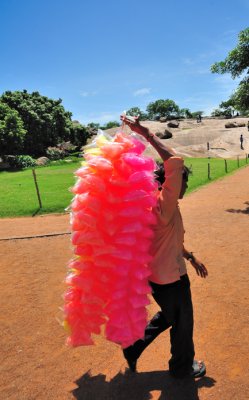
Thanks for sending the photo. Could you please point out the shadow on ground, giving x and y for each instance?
(130, 386)
(239, 211)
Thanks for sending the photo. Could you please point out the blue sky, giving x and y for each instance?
(103, 57)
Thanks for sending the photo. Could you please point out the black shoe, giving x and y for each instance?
(198, 369)
(131, 363)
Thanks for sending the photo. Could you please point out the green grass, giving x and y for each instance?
(199, 167)
(18, 195)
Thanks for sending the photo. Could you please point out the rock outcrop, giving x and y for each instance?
(173, 124)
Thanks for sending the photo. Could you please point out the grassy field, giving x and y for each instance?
(199, 167)
(18, 195)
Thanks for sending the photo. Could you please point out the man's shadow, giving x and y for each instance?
(239, 211)
(138, 386)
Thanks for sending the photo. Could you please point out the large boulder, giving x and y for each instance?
(164, 135)
(173, 124)
(241, 124)
(42, 161)
(163, 119)
(235, 124)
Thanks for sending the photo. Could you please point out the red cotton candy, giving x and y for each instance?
(112, 224)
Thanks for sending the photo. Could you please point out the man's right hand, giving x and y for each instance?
(164, 151)
(135, 126)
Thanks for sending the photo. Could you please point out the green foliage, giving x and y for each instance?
(78, 134)
(92, 128)
(236, 63)
(226, 109)
(135, 112)
(162, 108)
(217, 112)
(229, 104)
(111, 124)
(241, 97)
(185, 113)
(12, 132)
(93, 125)
(195, 114)
(237, 60)
(45, 121)
(20, 162)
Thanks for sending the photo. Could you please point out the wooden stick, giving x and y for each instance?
(37, 188)
(209, 177)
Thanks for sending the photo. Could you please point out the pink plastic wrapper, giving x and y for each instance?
(112, 228)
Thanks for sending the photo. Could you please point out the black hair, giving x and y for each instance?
(159, 173)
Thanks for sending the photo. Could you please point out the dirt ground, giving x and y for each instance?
(36, 364)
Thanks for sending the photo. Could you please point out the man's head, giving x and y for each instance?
(160, 177)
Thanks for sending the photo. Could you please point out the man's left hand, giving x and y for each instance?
(200, 268)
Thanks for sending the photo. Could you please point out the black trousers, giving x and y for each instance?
(176, 312)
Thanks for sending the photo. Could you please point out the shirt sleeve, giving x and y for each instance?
(171, 188)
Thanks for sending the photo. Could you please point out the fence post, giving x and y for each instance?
(209, 177)
(246, 158)
(225, 166)
(37, 188)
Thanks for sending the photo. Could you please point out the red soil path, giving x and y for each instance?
(35, 363)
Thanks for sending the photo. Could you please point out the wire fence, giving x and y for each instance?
(205, 170)
(47, 190)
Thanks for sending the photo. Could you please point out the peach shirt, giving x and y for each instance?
(168, 263)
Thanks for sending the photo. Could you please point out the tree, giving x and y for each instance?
(111, 124)
(12, 132)
(241, 97)
(162, 108)
(195, 114)
(78, 134)
(45, 120)
(185, 113)
(218, 112)
(237, 63)
(135, 111)
(93, 125)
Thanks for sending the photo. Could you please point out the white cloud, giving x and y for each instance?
(88, 94)
(141, 92)
(188, 61)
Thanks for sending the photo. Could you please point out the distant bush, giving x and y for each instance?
(55, 153)
(111, 124)
(20, 162)
(136, 112)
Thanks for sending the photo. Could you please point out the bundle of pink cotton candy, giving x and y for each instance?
(112, 228)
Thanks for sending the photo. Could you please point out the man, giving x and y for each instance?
(241, 142)
(169, 280)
